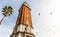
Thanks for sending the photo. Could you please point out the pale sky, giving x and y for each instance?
(45, 25)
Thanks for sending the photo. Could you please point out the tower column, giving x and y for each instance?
(23, 27)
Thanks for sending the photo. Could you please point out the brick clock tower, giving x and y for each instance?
(23, 27)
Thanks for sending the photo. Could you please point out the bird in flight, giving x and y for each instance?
(39, 14)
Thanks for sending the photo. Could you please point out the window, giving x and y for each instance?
(28, 36)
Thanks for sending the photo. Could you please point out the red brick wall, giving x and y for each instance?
(24, 15)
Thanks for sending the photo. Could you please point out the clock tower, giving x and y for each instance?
(23, 27)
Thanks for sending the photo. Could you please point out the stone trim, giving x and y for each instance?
(22, 33)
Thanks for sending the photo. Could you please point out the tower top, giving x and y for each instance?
(26, 4)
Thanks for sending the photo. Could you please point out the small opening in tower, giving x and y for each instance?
(28, 36)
